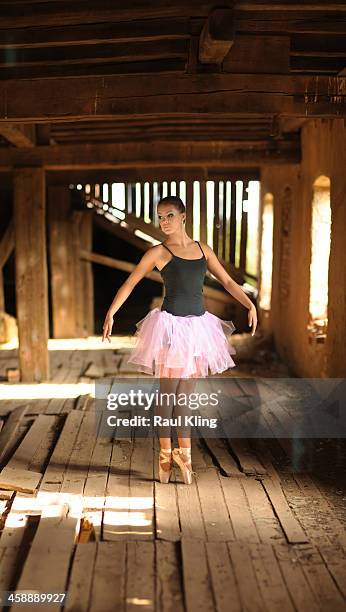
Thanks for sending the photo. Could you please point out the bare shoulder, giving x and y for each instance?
(154, 253)
(207, 250)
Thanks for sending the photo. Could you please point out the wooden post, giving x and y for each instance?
(31, 273)
(86, 242)
(61, 259)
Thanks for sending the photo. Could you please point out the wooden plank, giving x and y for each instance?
(190, 514)
(300, 591)
(243, 523)
(9, 432)
(292, 528)
(17, 474)
(329, 528)
(169, 594)
(270, 580)
(267, 524)
(19, 135)
(141, 491)
(335, 559)
(117, 504)
(220, 452)
(109, 577)
(245, 576)
(246, 457)
(320, 580)
(79, 461)
(95, 489)
(46, 566)
(223, 579)
(197, 587)
(217, 523)
(81, 577)
(54, 475)
(140, 586)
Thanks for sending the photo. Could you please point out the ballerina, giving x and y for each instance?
(181, 341)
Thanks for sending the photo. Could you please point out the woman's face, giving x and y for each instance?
(170, 218)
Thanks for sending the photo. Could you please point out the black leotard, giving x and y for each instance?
(183, 280)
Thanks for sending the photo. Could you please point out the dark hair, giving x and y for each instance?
(175, 200)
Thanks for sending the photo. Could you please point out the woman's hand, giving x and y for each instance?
(252, 318)
(107, 327)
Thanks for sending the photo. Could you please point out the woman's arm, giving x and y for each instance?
(146, 265)
(215, 267)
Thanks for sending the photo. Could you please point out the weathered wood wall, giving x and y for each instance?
(323, 153)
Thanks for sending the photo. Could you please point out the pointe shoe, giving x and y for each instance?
(165, 458)
(182, 456)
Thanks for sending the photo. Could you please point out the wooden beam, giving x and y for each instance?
(6, 244)
(18, 135)
(61, 255)
(31, 273)
(219, 154)
(217, 36)
(132, 96)
(262, 54)
(108, 32)
(77, 13)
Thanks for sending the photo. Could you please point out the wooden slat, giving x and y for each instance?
(140, 585)
(214, 511)
(81, 577)
(17, 474)
(9, 432)
(198, 591)
(239, 510)
(169, 594)
(223, 579)
(46, 566)
(109, 578)
(293, 530)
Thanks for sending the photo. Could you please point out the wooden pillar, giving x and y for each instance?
(61, 260)
(31, 273)
(83, 278)
(86, 271)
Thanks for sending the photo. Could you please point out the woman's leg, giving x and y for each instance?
(186, 387)
(182, 455)
(164, 408)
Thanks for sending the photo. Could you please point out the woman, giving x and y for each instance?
(181, 341)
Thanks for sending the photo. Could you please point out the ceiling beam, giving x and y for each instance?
(94, 98)
(97, 33)
(217, 154)
(18, 135)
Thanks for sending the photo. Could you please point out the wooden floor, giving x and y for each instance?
(261, 528)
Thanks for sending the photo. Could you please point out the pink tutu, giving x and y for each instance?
(169, 346)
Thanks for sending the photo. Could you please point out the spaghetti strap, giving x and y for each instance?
(200, 248)
(166, 247)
